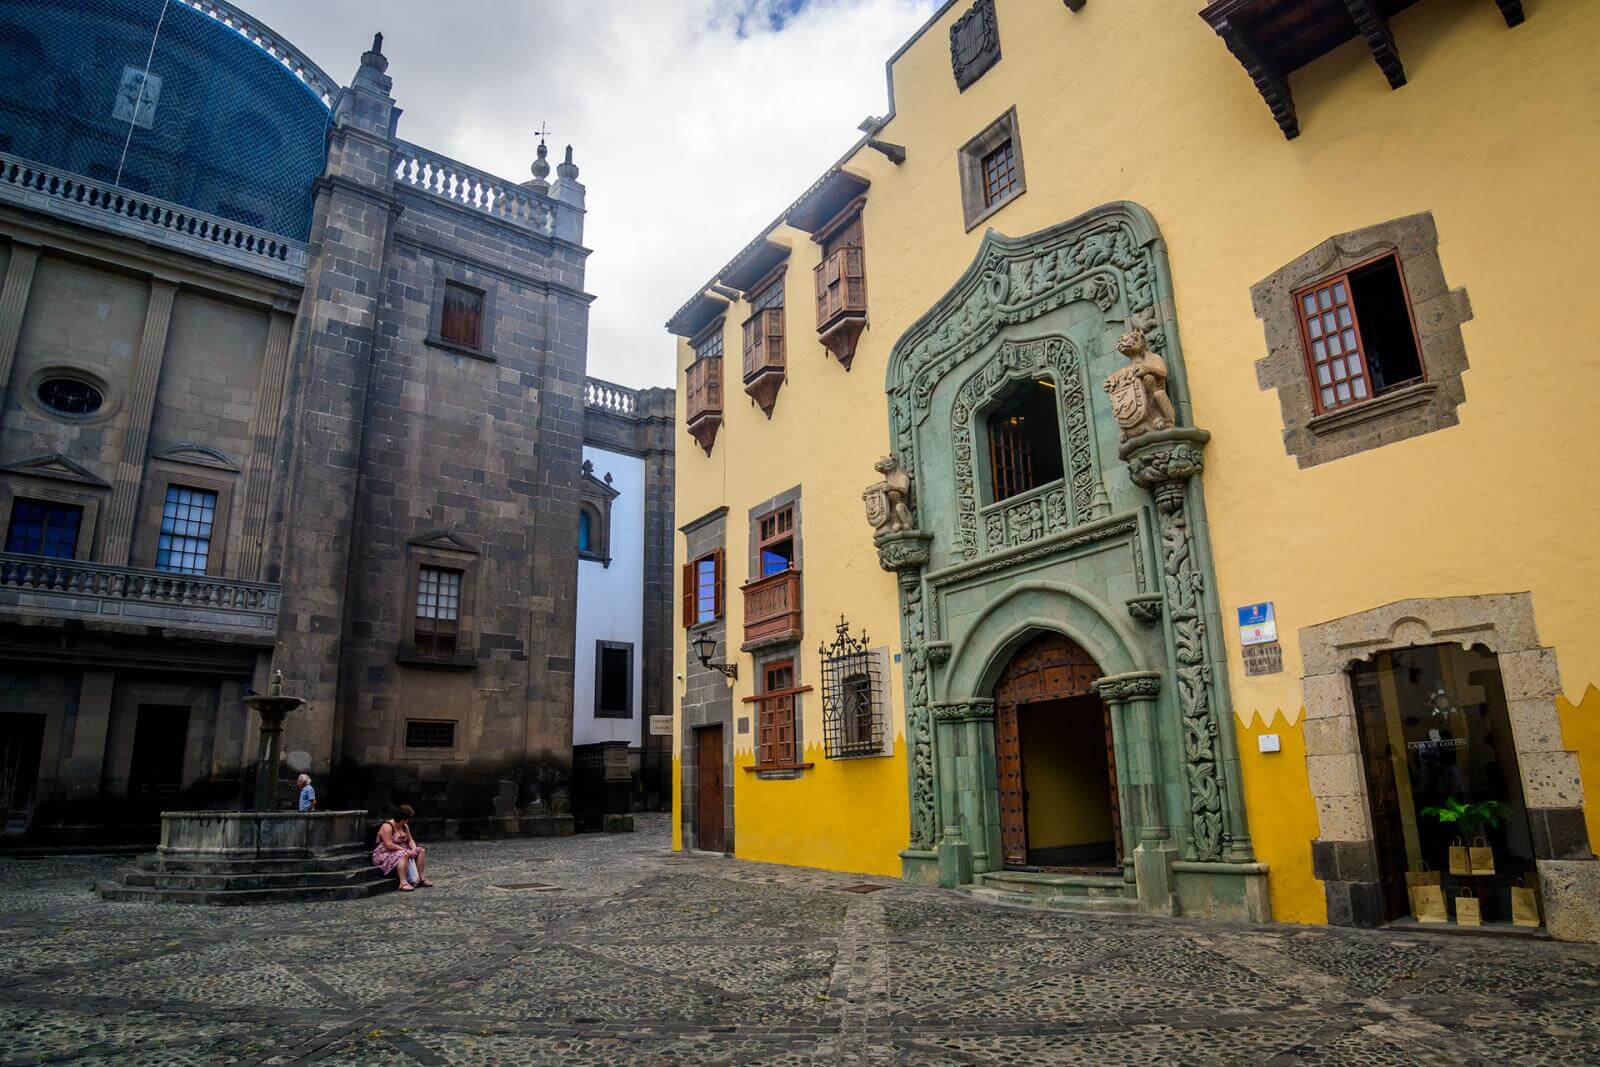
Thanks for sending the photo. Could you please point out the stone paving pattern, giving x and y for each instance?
(639, 955)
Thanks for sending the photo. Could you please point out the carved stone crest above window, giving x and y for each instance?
(974, 43)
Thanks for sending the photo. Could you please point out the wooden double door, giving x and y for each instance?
(1051, 668)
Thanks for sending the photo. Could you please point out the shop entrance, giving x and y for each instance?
(1056, 767)
(21, 738)
(1441, 770)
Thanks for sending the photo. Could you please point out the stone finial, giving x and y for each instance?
(541, 165)
(568, 169)
(275, 688)
(374, 58)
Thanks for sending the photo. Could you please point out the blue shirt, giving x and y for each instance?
(308, 796)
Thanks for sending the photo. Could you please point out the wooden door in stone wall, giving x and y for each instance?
(1050, 667)
(709, 834)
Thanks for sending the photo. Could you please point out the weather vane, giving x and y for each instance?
(542, 131)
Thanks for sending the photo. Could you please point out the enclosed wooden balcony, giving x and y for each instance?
(764, 362)
(772, 610)
(704, 400)
(48, 591)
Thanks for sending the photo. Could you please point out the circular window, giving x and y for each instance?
(70, 396)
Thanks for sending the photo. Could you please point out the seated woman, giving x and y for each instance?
(398, 853)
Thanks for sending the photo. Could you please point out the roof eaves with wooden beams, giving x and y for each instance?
(825, 199)
(1272, 39)
(754, 263)
(701, 311)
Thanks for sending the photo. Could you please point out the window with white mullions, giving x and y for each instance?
(853, 715)
(187, 516)
(1360, 340)
(438, 611)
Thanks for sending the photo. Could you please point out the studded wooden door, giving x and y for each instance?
(1050, 667)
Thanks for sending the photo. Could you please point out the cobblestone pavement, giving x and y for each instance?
(624, 952)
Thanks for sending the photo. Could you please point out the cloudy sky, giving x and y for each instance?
(694, 122)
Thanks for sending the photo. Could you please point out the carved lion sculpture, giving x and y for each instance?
(889, 501)
(1138, 391)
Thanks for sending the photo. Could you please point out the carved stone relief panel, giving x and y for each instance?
(974, 43)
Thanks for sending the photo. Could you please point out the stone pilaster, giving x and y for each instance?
(1132, 698)
(907, 554)
(141, 404)
(13, 303)
(264, 429)
(656, 412)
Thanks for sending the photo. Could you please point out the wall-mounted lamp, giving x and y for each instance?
(705, 646)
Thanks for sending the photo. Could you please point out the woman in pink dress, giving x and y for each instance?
(398, 853)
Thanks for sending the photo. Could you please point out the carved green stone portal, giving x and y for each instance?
(1113, 555)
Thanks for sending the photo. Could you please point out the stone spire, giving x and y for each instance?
(567, 189)
(373, 72)
(368, 104)
(568, 169)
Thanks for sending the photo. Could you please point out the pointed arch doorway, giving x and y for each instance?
(1057, 768)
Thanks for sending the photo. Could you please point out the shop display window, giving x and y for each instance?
(1442, 777)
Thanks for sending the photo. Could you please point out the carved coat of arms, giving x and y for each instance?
(974, 43)
(1130, 401)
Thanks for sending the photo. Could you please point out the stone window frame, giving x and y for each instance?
(467, 280)
(28, 489)
(1439, 313)
(595, 498)
(969, 168)
(447, 552)
(1344, 854)
(599, 647)
(161, 480)
(789, 498)
(404, 753)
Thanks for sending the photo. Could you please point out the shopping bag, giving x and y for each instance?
(1427, 904)
(1481, 857)
(1468, 913)
(1525, 902)
(1460, 862)
(1426, 876)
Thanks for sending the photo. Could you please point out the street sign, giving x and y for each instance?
(661, 726)
(1257, 624)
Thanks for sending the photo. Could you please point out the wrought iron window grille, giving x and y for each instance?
(852, 697)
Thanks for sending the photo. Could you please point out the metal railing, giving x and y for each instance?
(469, 187)
(108, 207)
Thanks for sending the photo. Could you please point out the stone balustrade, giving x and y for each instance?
(148, 218)
(292, 59)
(40, 586)
(608, 396)
(469, 187)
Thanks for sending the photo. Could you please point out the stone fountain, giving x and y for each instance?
(260, 855)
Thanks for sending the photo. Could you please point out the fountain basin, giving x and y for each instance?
(254, 857)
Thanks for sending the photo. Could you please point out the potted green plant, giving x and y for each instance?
(1468, 820)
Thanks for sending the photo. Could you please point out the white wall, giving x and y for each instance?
(611, 601)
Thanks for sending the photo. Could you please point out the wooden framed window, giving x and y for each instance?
(438, 618)
(775, 721)
(461, 318)
(702, 589)
(775, 541)
(1024, 437)
(842, 275)
(44, 528)
(999, 174)
(187, 518)
(1359, 334)
(1010, 461)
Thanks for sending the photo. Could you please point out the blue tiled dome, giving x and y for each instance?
(218, 125)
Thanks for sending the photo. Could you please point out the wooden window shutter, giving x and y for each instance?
(772, 324)
(717, 583)
(855, 280)
(688, 594)
(753, 337)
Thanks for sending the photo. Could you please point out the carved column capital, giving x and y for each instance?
(963, 711)
(904, 551)
(1135, 685)
(1163, 462)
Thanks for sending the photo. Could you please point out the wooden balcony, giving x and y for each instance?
(48, 590)
(842, 301)
(764, 362)
(704, 400)
(772, 610)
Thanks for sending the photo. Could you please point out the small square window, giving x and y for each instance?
(461, 319)
(1360, 341)
(990, 167)
(430, 733)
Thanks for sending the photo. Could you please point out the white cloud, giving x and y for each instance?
(689, 136)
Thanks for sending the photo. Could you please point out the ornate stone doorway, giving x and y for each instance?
(1057, 781)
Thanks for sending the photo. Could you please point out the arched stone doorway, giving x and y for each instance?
(1056, 762)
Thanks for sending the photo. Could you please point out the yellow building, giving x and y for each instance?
(1239, 362)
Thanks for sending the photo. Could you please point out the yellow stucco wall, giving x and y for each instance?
(1494, 135)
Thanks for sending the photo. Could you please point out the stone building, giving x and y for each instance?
(1242, 553)
(280, 389)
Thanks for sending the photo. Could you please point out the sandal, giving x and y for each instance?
(406, 887)
(424, 884)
